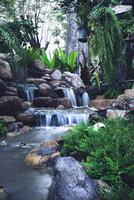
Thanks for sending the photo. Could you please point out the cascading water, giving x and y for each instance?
(27, 91)
(60, 118)
(69, 93)
(85, 99)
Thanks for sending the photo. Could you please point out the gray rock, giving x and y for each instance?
(71, 182)
(56, 74)
(10, 105)
(73, 79)
(7, 119)
(27, 118)
(45, 89)
(5, 70)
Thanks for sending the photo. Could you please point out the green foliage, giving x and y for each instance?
(65, 61)
(107, 154)
(107, 42)
(2, 128)
(59, 59)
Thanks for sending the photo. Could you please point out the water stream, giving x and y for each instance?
(20, 181)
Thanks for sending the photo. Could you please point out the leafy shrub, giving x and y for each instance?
(107, 154)
(59, 59)
(2, 128)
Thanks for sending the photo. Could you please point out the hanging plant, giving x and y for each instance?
(107, 43)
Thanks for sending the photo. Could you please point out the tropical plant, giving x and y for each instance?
(106, 154)
(106, 42)
(65, 61)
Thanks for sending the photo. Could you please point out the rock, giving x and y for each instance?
(102, 104)
(25, 129)
(35, 81)
(2, 87)
(73, 79)
(5, 70)
(13, 134)
(26, 105)
(112, 114)
(11, 89)
(27, 118)
(121, 102)
(37, 64)
(129, 93)
(12, 127)
(57, 83)
(98, 126)
(49, 102)
(60, 107)
(10, 105)
(71, 182)
(45, 89)
(104, 187)
(56, 74)
(7, 119)
(38, 156)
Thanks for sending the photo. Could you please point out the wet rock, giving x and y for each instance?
(60, 107)
(102, 104)
(12, 127)
(10, 105)
(71, 182)
(56, 74)
(49, 102)
(24, 129)
(26, 105)
(73, 79)
(5, 70)
(45, 89)
(112, 114)
(41, 155)
(27, 118)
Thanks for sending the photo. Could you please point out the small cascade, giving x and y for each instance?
(27, 91)
(85, 99)
(60, 118)
(69, 93)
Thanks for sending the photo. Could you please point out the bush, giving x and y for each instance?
(2, 128)
(107, 154)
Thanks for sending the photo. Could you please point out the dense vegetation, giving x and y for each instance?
(107, 154)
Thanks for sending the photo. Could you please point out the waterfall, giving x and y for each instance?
(27, 91)
(69, 93)
(85, 99)
(60, 118)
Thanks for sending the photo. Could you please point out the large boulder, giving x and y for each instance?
(10, 105)
(102, 104)
(49, 102)
(27, 118)
(73, 79)
(71, 182)
(5, 70)
(10, 91)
